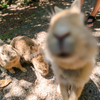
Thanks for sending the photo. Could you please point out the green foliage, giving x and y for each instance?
(4, 5)
(3, 37)
(7, 35)
(37, 0)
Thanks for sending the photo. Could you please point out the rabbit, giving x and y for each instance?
(71, 48)
(30, 51)
(9, 58)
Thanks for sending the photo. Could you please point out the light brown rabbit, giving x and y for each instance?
(30, 51)
(71, 48)
(9, 58)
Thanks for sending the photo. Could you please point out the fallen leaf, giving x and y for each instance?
(31, 29)
(4, 82)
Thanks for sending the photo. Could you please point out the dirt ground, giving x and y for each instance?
(28, 21)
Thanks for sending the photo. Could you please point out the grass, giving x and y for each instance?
(7, 35)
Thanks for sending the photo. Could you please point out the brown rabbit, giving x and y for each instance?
(30, 51)
(71, 47)
(9, 58)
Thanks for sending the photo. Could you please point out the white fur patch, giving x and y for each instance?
(61, 30)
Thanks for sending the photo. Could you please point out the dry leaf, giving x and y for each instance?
(4, 82)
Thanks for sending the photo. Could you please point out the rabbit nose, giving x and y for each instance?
(62, 37)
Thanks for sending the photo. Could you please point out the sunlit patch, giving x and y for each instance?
(15, 91)
(31, 97)
(44, 88)
(97, 29)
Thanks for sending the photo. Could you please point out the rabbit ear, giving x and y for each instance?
(57, 9)
(76, 6)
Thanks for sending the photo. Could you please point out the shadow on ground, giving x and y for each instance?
(90, 92)
(26, 86)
